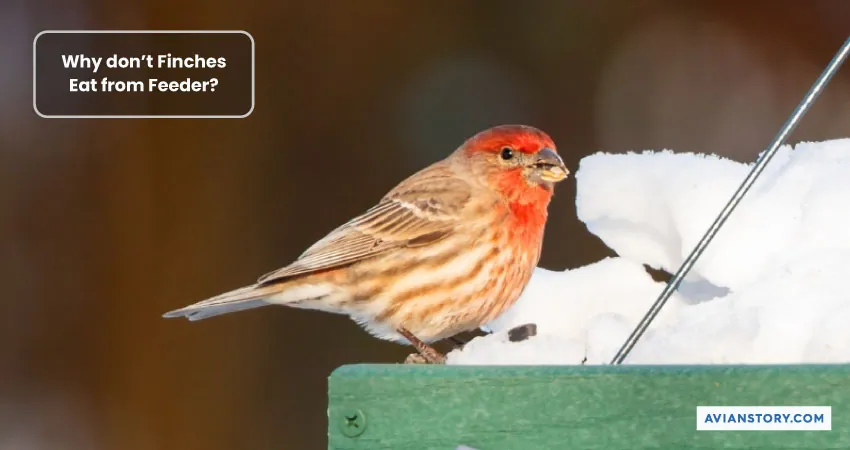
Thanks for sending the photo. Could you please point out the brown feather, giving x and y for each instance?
(408, 216)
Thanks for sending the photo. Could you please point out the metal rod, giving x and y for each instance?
(759, 166)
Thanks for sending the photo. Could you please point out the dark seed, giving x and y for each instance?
(522, 332)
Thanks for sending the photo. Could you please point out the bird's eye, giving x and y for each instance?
(507, 153)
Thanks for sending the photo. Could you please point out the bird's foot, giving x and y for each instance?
(415, 358)
(428, 353)
(419, 358)
(432, 356)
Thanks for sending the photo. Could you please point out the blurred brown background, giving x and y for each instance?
(106, 224)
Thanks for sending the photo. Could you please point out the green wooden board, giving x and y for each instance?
(416, 407)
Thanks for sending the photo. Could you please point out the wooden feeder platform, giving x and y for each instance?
(423, 407)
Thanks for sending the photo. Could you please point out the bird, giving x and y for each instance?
(445, 251)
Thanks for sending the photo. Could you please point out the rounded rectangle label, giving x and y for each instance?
(143, 74)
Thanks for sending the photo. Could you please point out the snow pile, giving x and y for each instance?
(772, 287)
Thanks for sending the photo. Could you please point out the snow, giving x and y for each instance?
(772, 287)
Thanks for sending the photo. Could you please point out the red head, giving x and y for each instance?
(521, 138)
(520, 164)
(516, 160)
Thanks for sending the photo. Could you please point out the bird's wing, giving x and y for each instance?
(421, 210)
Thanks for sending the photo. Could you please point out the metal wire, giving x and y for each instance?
(759, 166)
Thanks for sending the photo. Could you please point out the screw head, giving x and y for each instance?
(352, 422)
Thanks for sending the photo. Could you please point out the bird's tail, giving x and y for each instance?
(247, 297)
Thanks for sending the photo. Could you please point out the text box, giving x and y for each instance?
(143, 74)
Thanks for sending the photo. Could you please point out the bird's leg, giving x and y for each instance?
(428, 353)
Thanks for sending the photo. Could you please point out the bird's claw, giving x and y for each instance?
(434, 357)
(426, 357)
(427, 352)
(415, 358)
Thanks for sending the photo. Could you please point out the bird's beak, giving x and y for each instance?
(549, 166)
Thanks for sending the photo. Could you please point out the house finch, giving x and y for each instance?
(445, 251)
